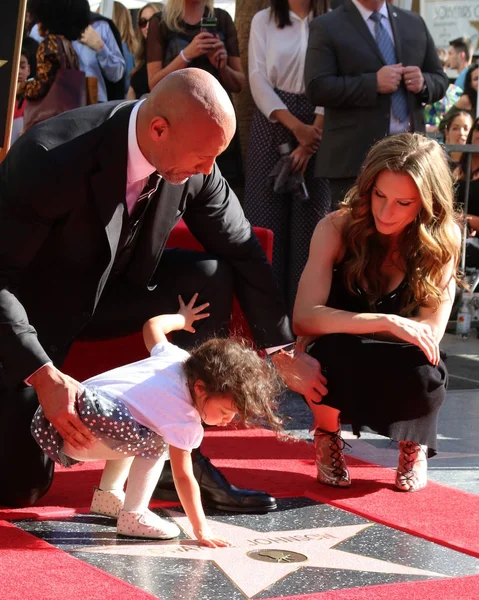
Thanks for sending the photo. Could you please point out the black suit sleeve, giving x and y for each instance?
(25, 223)
(325, 84)
(216, 219)
(435, 79)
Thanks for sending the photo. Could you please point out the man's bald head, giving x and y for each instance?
(188, 91)
(189, 107)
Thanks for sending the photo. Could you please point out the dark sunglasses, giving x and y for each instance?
(143, 22)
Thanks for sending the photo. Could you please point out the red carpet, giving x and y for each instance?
(287, 469)
(31, 568)
(463, 588)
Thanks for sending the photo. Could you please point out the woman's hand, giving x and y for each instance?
(219, 57)
(300, 156)
(192, 313)
(307, 136)
(206, 538)
(413, 332)
(203, 43)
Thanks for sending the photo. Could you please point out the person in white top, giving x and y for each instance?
(137, 411)
(277, 50)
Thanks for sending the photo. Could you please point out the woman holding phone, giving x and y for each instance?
(177, 39)
(191, 33)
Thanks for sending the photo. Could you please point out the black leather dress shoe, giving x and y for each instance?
(216, 492)
(18, 493)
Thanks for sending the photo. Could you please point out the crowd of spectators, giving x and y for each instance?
(125, 57)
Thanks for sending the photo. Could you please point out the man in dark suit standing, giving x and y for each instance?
(87, 201)
(373, 67)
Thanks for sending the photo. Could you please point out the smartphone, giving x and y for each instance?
(208, 25)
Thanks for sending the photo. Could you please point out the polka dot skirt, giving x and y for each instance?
(292, 220)
(111, 422)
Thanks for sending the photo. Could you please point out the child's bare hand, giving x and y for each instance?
(213, 542)
(206, 537)
(192, 313)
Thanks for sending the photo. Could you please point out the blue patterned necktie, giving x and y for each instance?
(386, 47)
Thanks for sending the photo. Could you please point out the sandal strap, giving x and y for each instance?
(409, 454)
(336, 446)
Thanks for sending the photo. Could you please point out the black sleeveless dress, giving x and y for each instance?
(389, 387)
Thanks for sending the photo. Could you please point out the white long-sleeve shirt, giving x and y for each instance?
(276, 59)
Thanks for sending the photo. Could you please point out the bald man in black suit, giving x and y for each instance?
(87, 201)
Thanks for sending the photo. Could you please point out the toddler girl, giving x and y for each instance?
(139, 410)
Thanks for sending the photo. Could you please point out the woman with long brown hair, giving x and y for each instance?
(456, 130)
(375, 296)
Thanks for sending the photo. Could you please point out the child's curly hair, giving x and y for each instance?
(231, 366)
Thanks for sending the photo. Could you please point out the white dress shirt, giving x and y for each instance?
(395, 126)
(276, 59)
(138, 169)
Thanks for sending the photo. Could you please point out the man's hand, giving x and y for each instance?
(302, 374)
(91, 38)
(413, 79)
(57, 394)
(388, 78)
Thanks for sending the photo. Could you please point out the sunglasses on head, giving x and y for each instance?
(143, 22)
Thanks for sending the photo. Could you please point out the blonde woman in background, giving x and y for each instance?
(175, 41)
(139, 76)
(122, 19)
(375, 297)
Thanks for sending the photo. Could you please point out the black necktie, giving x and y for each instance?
(146, 193)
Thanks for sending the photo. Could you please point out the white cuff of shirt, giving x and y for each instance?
(30, 376)
(275, 349)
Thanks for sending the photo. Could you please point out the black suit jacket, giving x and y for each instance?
(340, 73)
(62, 205)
